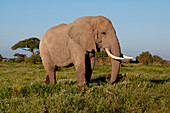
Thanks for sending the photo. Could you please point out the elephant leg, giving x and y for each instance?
(89, 67)
(78, 56)
(80, 70)
(50, 68)
(51, 76)
(48, 64)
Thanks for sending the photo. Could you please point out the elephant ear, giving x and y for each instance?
(84, 36)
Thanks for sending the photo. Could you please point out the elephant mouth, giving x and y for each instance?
(99, 45)
(116, 57)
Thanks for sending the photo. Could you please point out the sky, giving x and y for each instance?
(141, 25)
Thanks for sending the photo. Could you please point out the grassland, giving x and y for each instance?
(139, 89)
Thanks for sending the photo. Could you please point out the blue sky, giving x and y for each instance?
(141, 25)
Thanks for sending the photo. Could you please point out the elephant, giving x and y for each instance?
(76, 43)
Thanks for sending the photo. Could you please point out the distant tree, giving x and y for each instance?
(1, 58)
(145, 58)
(29, 44)
(20, 55)
(5, 59)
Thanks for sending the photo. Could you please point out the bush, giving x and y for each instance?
(30, 60)
(33, 59)
(11, 60)
(101, 54)
(37, 58)
(19, 60)
(1, 58)
(158, 60)
(101, 58)
(146, 58)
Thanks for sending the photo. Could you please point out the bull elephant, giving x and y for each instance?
(76, 43)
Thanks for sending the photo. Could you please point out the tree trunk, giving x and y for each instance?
(32, 51)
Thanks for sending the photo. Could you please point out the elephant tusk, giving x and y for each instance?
(127, 57)
(115, 57)
(112, 56)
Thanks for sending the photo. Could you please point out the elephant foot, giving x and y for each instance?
(81, 83)
(107, 78)
(48, 80)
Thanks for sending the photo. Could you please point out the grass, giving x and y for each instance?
(140, 89)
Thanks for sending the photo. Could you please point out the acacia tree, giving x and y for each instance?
(29, 44)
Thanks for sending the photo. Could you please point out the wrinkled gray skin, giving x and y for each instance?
(76, 43)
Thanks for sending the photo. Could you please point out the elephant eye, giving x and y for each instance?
(103, 33)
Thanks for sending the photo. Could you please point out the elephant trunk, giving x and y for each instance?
(115, 54)
(113, 50)
(115, 70)
(115, 62)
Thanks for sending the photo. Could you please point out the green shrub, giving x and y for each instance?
(11, 60)
(30, 60)
(33, 59)
(101, 54)
(146, 58)
(101, 58)
(37, 58)
(19, 60)
(158, 60)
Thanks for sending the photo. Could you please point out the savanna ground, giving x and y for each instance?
(139, 89)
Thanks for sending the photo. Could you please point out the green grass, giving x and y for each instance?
(140, 89)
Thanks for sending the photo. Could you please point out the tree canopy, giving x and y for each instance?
(28, 44)
(20, 55)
